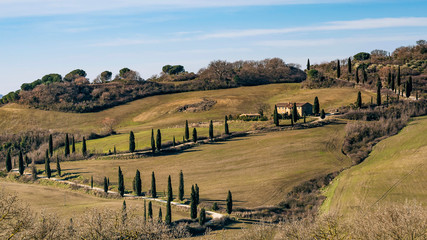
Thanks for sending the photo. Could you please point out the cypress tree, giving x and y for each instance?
(153, 186)
(170, 193)
(196, 194)
(105, 185)
(183, 140)
(187, 131)
(398, 77)
(294, 113)
(379, 92)
(226, 130)
(193, 204)
(33, 172)
(21, 163)
(67, 146)
(322, 114)
(47, 167)
(173, 141)
(108, 181)
(73, 146)
(357, 75)
(159, 140)
(308, 64)
(84, 148)
(338, 69)
(8, 161)
(124, 213)
(229, 203)
(145, 210)
(138, 184)
(160, 215)
(292, 121)
(58, 167)
(50, 145)
(211, 134)
(359, 100)
(27, 160)
(131, 142)
(389, 79)
(150, 210)
(115, 151)
(194, 135)
(393, 86)
(349, 65)
(202, 216)
(408, 88)
(153, 143)
(91, 182)
(121, 187)
(304, 118)
(275, 116)
(316, 106)
(168, 218)
(181, 186)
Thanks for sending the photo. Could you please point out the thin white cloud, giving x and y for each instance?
(362, 24)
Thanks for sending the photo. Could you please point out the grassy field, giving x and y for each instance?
(259, 169)
(160, 111)
(67, 203)
(395, 171)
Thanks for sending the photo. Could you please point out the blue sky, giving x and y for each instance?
(38, 37)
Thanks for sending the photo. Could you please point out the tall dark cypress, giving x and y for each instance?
(67, 146)
(131, 142)
(168, 218)
(8, 161)
(159, 140)
(194, 135)
(27, 160)
(187, 131)
(316, 106)
(294, 113)
(50, 145)
(170, 193)
(181, 186)
(338, 69)
(105, 185)
(359, 100)
(153, 186)
(138, 185)
(160, 218)
(393, 86)
(398, 77)
(202, 216)
(357, 75)
(349, 65)
(153, 143)
(173, 141)
(48, 171)
(408, 88)
(275, 116)
(197, 194)
(73, 145)
(226, 130)
(229, 203)
(84, 148)
(389, 79)
(91, 182)
(121, 187)
(145, 210)
(211, 134)
(193, 204)
(150, 210)
(21, 163)
(58, 167)
(308, 64)
(379, 85)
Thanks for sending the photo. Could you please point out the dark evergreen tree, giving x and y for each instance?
(170, 193)
(357, 75)
(58, 167)
(229, 203)
(131, 142)
(168, 218)
(67, 146)
(153, 186)
(115, 151)
(73, 146)
(389, 80)
(308, 64)
(153, 142)
(408, 88)
(8, 161)
(338, 69)
(187, 131)
(349, 65)
(21, 163)
(124, 212)
(91, 182)
(197, 194)
(275, 116)
(121, 187)
(181, 186)
(359, 100)
(159, 140)
(292, 121)
(211, 134)
(322, 114)
(33, 172)
(316, 106)
(398, 77)
(27, 160)
(138, 185)
(150, 210)
(295, 113)
(379, 85)
(50, 145)
(108, 181)
(173, 141)
(194, 135)
(193, 204)
(202, 217)
(105, 185)
(393, 86)
(48, 171)
(160, 218)
(84, 148)
(226, 130)
(145, 211)
(304, 118)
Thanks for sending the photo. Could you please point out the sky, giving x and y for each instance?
(38, 37)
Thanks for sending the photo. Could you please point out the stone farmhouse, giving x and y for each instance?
(302, 108)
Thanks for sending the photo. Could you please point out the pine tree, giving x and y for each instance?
(275, 116)
(150, 210)
(8, 161)
(181, 186)
(349, 65)
(67, 146)
(138, 186)
(316, 106)
(226, 130)
(84, 148)
(153, 142)
(202, 217)
(338, 69)
(58, 167)
(194, 135)
(131, 142)
(91, 182)
(159, 140)
(357, 75)
(196, 194)
(229, 203)
(168, 218)
(50, 145)
(359, 100)
(73, 146)
(170, 193)
(308, 64)
(105, 185)
(193, 204)
(160, 218)
(153, 186)
(379, 85)
(211, 134)
(121, 187)
(187, 131)
(21, 163)
(48, 171)
(295, 113)
(322, 114)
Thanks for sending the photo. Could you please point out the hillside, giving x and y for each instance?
(393, 173)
